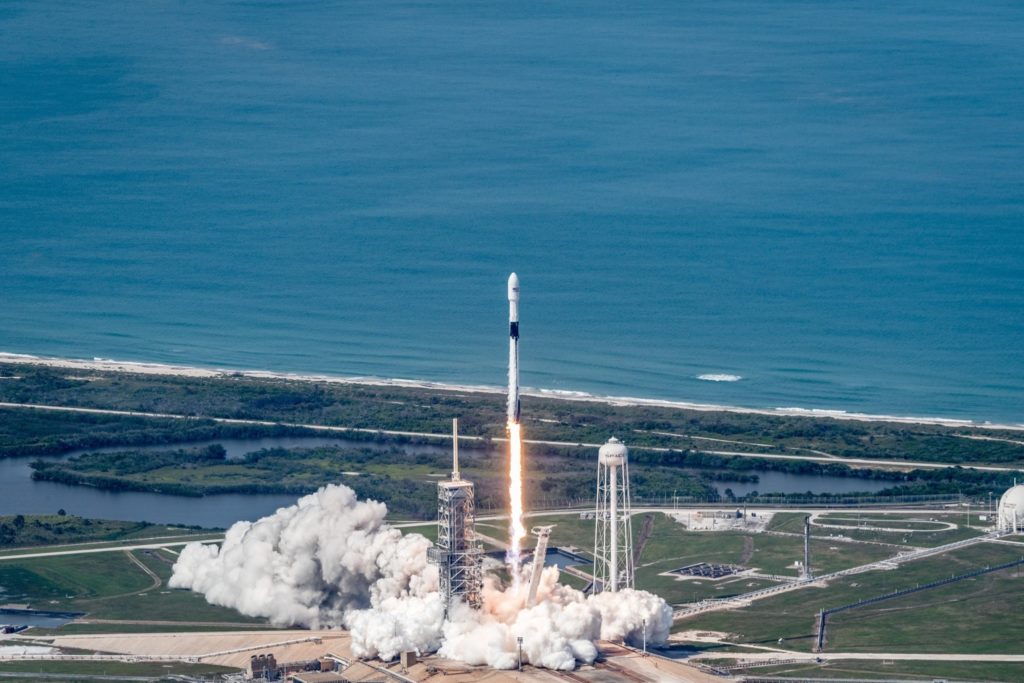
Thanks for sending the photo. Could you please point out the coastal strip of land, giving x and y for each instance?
(865, 462)
(146, 368)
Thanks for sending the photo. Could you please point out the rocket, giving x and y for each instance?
(513, 348)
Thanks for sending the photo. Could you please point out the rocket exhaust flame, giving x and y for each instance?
(515, 493)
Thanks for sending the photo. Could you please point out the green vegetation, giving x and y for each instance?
(670, 546)
(482, 414)
(995, 672)
(956, 618)
(406, 480)
(896, 528)
(27, 432)
(110, 586)
(68, 580)
(35, 530)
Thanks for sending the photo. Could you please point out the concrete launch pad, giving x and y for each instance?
(234, 648)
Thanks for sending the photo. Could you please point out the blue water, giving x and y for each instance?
(825, 198)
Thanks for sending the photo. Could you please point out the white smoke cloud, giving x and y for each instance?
(557, 632)
(331, 560)
(626, 614)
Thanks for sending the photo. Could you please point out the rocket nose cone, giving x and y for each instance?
(513, 287)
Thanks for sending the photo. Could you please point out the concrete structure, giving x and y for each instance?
(613, 534)
(1010, 516)
(457, 554)
(263, 666)
(318, 677)
(233, 648)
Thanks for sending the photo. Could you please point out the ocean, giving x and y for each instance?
(813, 204)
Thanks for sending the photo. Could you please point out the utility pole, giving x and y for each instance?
(519, 640)
(645, 637)
(806, 573)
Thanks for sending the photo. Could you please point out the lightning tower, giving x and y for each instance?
(457, 554)
(613, 534)
(805, 571)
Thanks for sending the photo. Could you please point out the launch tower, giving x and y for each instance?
(613, 534)
(457, 554)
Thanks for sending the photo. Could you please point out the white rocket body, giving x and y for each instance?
(513, 348)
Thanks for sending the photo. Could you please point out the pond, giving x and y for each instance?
(19, 494)
(26, 617)
(782, 482)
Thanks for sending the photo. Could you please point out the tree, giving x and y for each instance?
(19, 522)
(62, 512)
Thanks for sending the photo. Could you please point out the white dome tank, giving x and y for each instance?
(613, 453)
(1011, 509)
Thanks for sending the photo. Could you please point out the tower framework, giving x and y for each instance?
(457, 554)
(613, 534)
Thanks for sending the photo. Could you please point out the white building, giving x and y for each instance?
(1011, 510)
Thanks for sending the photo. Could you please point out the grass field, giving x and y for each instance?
(110, 586)
(898, 528)
(670, 546)
(71, 579)
(953, 618)
(912, 671)
(33, 531)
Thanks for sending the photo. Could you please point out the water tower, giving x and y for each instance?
(613, 534)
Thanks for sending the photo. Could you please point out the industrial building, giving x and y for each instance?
(1010, 516)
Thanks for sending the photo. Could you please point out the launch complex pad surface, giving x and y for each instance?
(234, 649)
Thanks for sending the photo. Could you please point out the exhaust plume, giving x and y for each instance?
(331, 561)
(517, 530)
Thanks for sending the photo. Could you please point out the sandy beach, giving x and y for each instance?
(144, 368)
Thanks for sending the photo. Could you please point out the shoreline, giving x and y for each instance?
(149, 368)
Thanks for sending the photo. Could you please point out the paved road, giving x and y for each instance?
(62, 550)
(898, 464)
(89, 551)
(155, 622)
